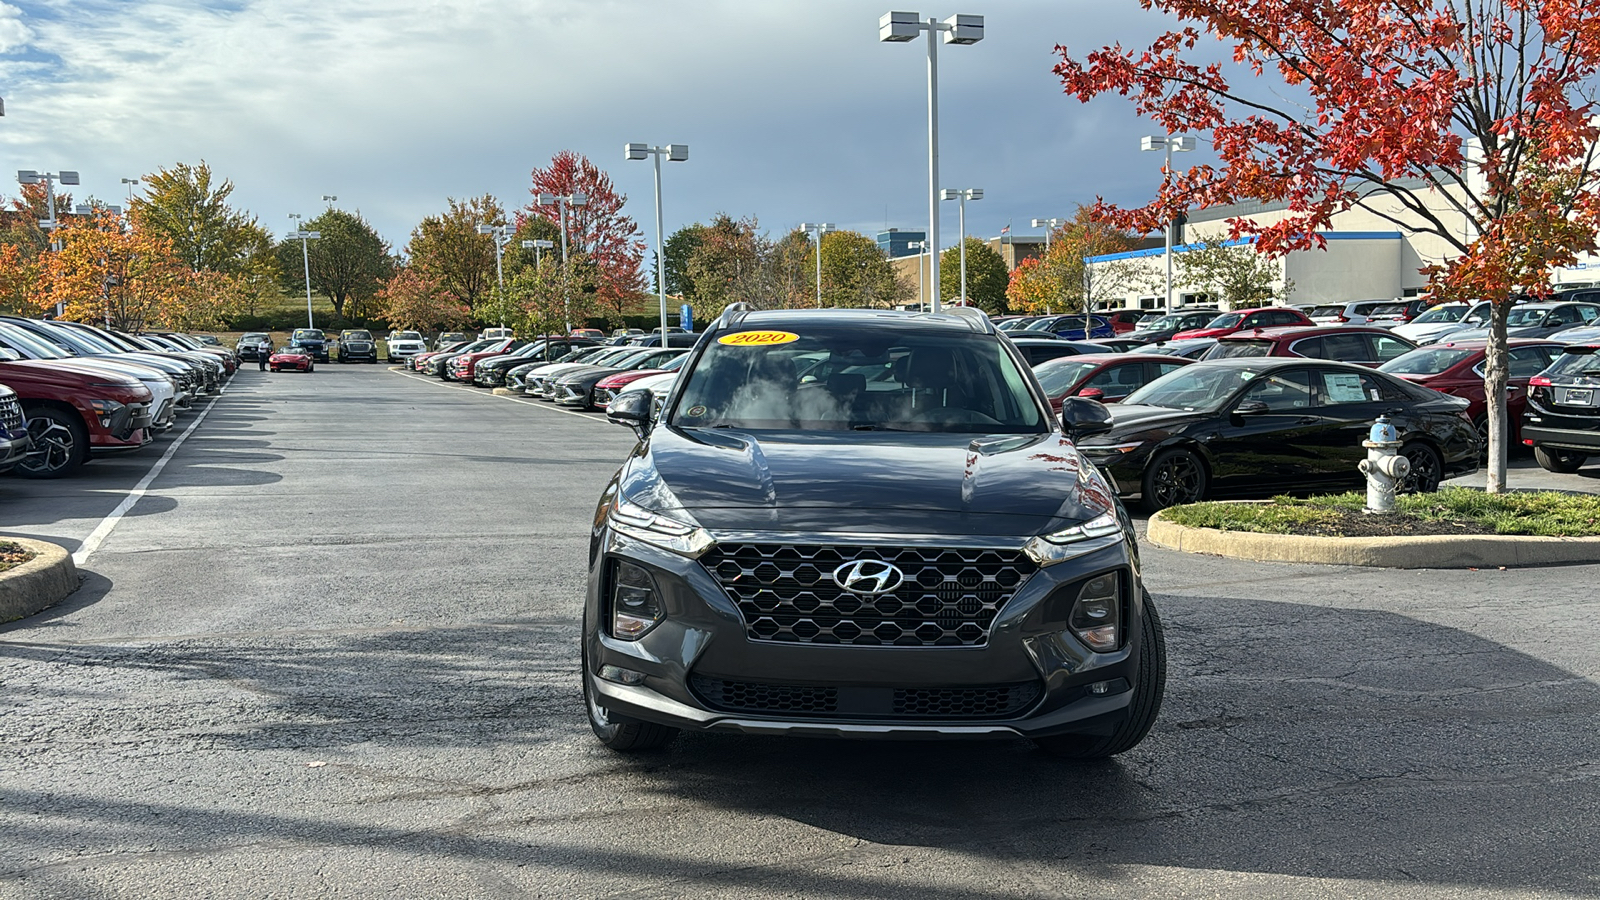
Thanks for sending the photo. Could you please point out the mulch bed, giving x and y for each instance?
(13, 555)
(1352, 523)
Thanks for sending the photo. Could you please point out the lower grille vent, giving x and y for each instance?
(1000, 701)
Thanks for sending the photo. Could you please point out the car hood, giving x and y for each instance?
(1193, 333)
(1135, 419)
(884, 483)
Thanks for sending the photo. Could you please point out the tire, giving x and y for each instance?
(1427, 470)
(1150, 685)
(1173, 477)
(1481, 426)
(619, 733)
(1563, 461)
(60, 444)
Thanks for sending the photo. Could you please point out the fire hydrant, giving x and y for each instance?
(1384, 467)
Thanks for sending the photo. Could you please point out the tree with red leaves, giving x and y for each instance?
(1467, 123)
(597, 229)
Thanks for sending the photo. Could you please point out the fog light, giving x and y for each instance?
(1114, 686)
(621, 675)
(1097, 615)
(634, 607)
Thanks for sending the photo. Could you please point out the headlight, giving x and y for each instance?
(1097, 615)
(641, 524)
(1049, 549)
(635, 607)
(105, 409)
(1106, 451)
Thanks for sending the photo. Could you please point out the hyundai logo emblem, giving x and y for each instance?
(868, 577)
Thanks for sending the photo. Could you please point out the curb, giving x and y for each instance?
(504, 392)
(43, 581)
(1480, 551)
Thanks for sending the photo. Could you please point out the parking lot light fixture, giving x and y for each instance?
(305, 238)
(963, 195)
(819, 229)
(561, 202)
(1049, 225)
(673, 153)
(1167, 144)
(922, 291)
(902, 27)
(502, 236)
(130, 182)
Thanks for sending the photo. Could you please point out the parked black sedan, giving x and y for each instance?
(1263, 426)
(576, 388)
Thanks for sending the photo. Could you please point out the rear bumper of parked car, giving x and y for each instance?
(700, 669)
(1546, 431)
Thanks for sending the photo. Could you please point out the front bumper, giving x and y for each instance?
(13, 450)
(702, 653)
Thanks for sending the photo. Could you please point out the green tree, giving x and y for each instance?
(680, 248)
(448, 250)
(187, 206)
(987, 277)
(1234, 273)
(855, 273)
(726, 265)
(349, 263)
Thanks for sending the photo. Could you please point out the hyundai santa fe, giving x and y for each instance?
(860, 523)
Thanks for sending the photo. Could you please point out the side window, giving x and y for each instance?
(1164, 368)
(1340, 388)
(1385, 348)
(1282, 391)
(1562, 315)
(1118, 381)
(1284, 317)
(1589, 313)
(1254, 320)
(1314, 348)
(1527, 362)
(1345, 348)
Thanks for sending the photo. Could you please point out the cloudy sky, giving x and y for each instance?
(792, 108)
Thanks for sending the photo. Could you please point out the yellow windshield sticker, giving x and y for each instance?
(757, 338)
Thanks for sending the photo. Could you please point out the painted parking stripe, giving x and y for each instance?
(592, 417)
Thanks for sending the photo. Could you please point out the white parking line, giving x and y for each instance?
(592, 417)
(103, 530)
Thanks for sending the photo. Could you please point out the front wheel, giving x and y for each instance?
(1149, 687)
(1426, 469)
(1563, 461)
(60, 444)
(618, 733)
(1173, 477)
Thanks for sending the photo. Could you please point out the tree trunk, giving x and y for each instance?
(1495, 371)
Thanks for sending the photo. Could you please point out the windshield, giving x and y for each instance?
(1163, 323)
(1523, 316)
(1226, 349)
(1194, 387)
(1325, 311)
(1451, 313)
(405, 336)
(358, 335)
(29, 345)
(1425, 361)
(1575, 360)
(307, 334)
(1226, 320)
(86, 340)
(872, 380)
(1390, 309)
(1059, 375)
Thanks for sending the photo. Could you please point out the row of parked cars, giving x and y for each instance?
(70, 392)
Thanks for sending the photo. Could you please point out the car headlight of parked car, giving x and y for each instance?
(641, 524)
(1060, 546)
(635, 604)
(1097, 615)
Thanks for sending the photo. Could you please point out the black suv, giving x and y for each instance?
(865, 524)
(1562, 419)
(357, 344)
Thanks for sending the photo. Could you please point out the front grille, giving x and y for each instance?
(999, 701)
(787, 593)
(11, 415)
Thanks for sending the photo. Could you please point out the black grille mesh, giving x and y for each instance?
(770, 698)
(839, 702)
(982, 702)
(949, 597)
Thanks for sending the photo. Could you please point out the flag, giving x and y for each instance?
(1007, 229)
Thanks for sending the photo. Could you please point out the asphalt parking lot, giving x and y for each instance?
(333, 653)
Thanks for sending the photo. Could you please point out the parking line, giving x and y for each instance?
(450, 387)
(103, 530)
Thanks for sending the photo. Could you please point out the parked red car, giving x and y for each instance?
(1123, 320)
(463, 366)
(74, 413)
(1107, 377)
(296, 358)
(1246, 319)
(1361, 344)
(1456, 367)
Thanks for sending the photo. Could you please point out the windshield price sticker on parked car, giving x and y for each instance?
(758, 338)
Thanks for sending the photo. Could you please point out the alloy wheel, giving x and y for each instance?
(1177, 479)
(52, 445)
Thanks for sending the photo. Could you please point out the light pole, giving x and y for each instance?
(674, 153)
(561, 202)
(502, 236)
(1049, 225)
(1164, 143)
(29, 176)
(898, 28)
(130, 182)
(536, 245)
(819, 229)
(305, 238)
(922, 293)
(329, 199)
(963, 195)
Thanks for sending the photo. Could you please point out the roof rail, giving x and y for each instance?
(979, 318)
(731, 315)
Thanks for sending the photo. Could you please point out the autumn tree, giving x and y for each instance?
(598, 228)
(348, 263)
(725, 264)
(19, 220)
(1234, 273)
(447, 250)
(127, 279)
(189, 207)
(987, 277)
(1469, 123)
(1062, 279)
(545, 299)
(20, 274)
(413, 299)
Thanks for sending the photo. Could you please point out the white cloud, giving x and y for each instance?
(13, 33)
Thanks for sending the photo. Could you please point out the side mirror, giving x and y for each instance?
(631, 408)
(1082, 418)
(1251, 408)
(1092, 394)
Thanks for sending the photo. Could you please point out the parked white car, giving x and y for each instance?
(1355, 313)
(1443, 319)
(404, 345)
